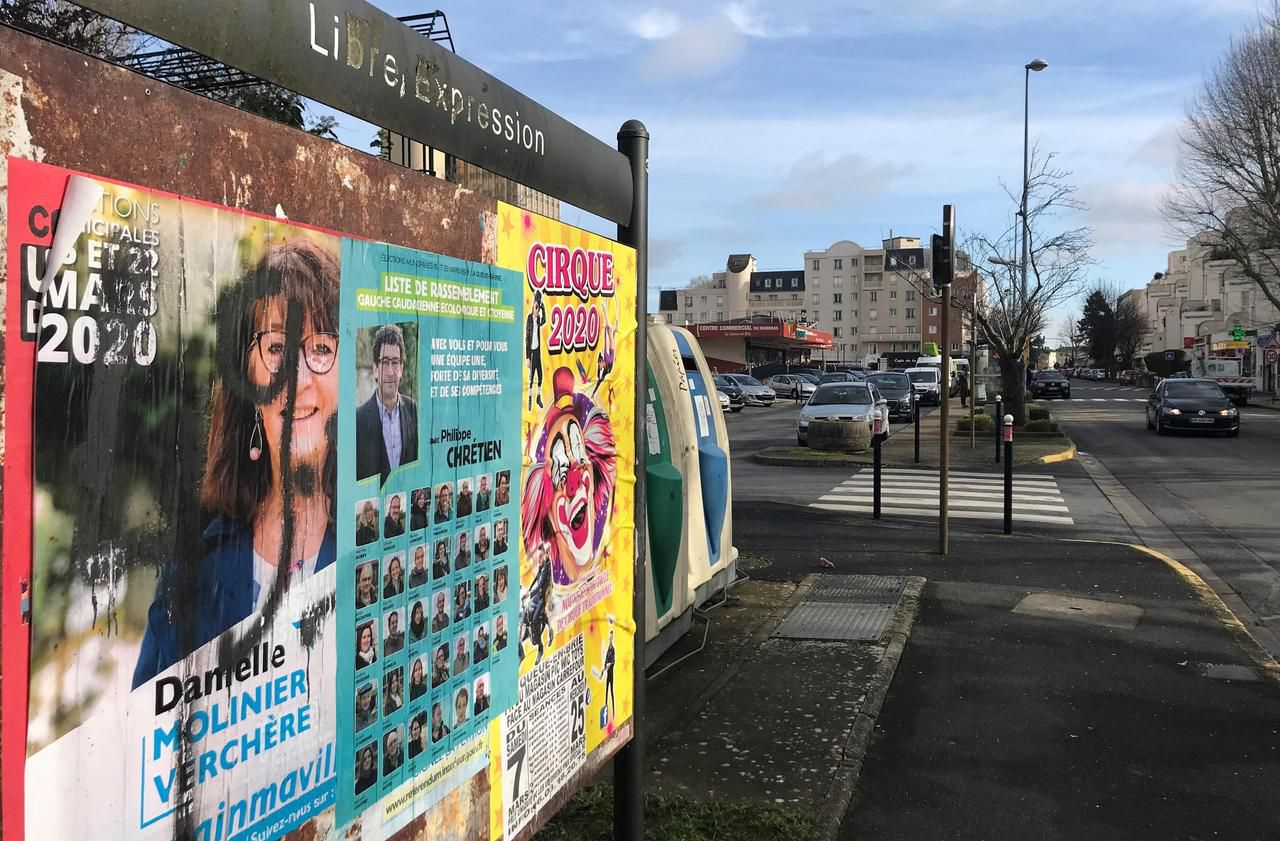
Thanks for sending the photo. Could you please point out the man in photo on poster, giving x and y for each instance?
(482, 593)
(387, 423)
(366, 586)
(440, 666)
(482, 544)
(500, 632)
(462, 601)
(418, 573)
(366, 706)
(461, 656)
(483, 498)
(444, 503)
(393, 523)
(482, 695)
(480, 649)
(500, 537)
(440, 618)
(394, 640)
(392, 752)
(462, 560)
(465, 500)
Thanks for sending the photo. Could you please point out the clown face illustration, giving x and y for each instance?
(568, 493)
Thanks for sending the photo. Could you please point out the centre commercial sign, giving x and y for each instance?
(356, 58)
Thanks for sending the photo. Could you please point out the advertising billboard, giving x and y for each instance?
(321, 532)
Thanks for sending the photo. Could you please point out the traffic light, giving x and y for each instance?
(943, 247)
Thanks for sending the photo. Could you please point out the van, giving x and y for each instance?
(935, 362)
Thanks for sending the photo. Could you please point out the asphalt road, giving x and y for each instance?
(1219, 496)
(756, 428)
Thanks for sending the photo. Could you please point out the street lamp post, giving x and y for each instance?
(1036, 65)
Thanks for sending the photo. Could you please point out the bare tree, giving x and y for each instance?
(1131, 330)
(1228, 186)
(1008, 316)
(1070, 331)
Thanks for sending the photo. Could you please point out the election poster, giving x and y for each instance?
(577, 626)
(325, 536)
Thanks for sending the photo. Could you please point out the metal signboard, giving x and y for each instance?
(358, 59)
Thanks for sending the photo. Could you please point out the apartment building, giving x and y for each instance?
(1201, 292)
(871, 300)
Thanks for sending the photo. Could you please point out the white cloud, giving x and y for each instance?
(813, 183)
(751, 22)
(696, 50)
(654, 24)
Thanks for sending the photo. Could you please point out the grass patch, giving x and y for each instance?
(589, 817)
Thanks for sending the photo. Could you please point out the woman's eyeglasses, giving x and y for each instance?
(320, 350)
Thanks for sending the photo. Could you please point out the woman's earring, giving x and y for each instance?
(255, 437)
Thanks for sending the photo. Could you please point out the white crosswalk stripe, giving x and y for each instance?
(978, 496)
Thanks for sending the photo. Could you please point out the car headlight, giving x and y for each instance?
(1229, 412)
(1171, 411)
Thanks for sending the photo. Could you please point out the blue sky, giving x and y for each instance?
(782, 127)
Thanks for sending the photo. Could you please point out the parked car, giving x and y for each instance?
(926, 383)
(1098, 375)
(1050, 384)
(724, 401)
(754, 392)
(895, 388)
(853, 401)
(791, 385)
(840, 377)
(1128, 377)
(730, 389)
(1194, 404)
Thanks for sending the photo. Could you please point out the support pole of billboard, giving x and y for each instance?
(944, 277)
(628, 763)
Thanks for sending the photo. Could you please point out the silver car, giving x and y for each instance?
(844, 401)
(791, 385)
(754, 392)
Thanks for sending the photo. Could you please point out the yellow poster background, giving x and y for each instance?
(594, 388)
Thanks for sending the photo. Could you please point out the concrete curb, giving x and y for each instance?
(1261, 658)
(851, 460)
(845, 779)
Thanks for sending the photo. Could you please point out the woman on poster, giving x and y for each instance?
(273, 420)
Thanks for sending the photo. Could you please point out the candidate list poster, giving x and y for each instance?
(181, 424)
(428, 578)
(576, 625)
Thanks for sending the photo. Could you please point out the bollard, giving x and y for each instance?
(877, 436)
(915, 402)
(999, 413)
(1008, 474)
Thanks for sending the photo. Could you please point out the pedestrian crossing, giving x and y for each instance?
(974, 496)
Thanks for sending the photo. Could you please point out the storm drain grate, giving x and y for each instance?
(844, 607)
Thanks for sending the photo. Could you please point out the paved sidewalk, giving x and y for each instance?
(1117, 702)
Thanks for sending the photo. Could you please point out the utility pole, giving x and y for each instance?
(943, 248)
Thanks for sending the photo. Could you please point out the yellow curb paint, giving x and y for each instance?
(1066, 455)
(1265, 663)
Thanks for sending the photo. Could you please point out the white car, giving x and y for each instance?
(843, 401)
(791, 385)
(927, 384)
(724, 401)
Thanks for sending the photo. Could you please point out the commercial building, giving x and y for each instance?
(871, 301)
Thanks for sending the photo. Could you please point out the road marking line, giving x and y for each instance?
(862, 489)
(970, 515)
(909, 471)
(965, 485)
(931, 504)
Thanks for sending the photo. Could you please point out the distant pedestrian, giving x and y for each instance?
(1031, 374)
(964, 390)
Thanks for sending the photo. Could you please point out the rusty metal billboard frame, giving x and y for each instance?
(357, 59)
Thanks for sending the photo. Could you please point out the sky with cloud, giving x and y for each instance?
(783, 127)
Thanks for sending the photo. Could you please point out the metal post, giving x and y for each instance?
(973, 378)
(944, 440)
(999, 414)
(875, 477)
(628, 763)
(1008, 474)
(915, 402)
(1026, 177)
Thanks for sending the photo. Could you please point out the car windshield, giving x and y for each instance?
(1050, 375)
(890, 380)
(923, 376)
(834, 378)
(746, 380)
(842, 394)
(1194, 390)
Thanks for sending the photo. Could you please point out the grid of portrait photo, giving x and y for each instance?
(434, 613)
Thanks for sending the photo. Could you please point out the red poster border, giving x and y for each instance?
(16, 563)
